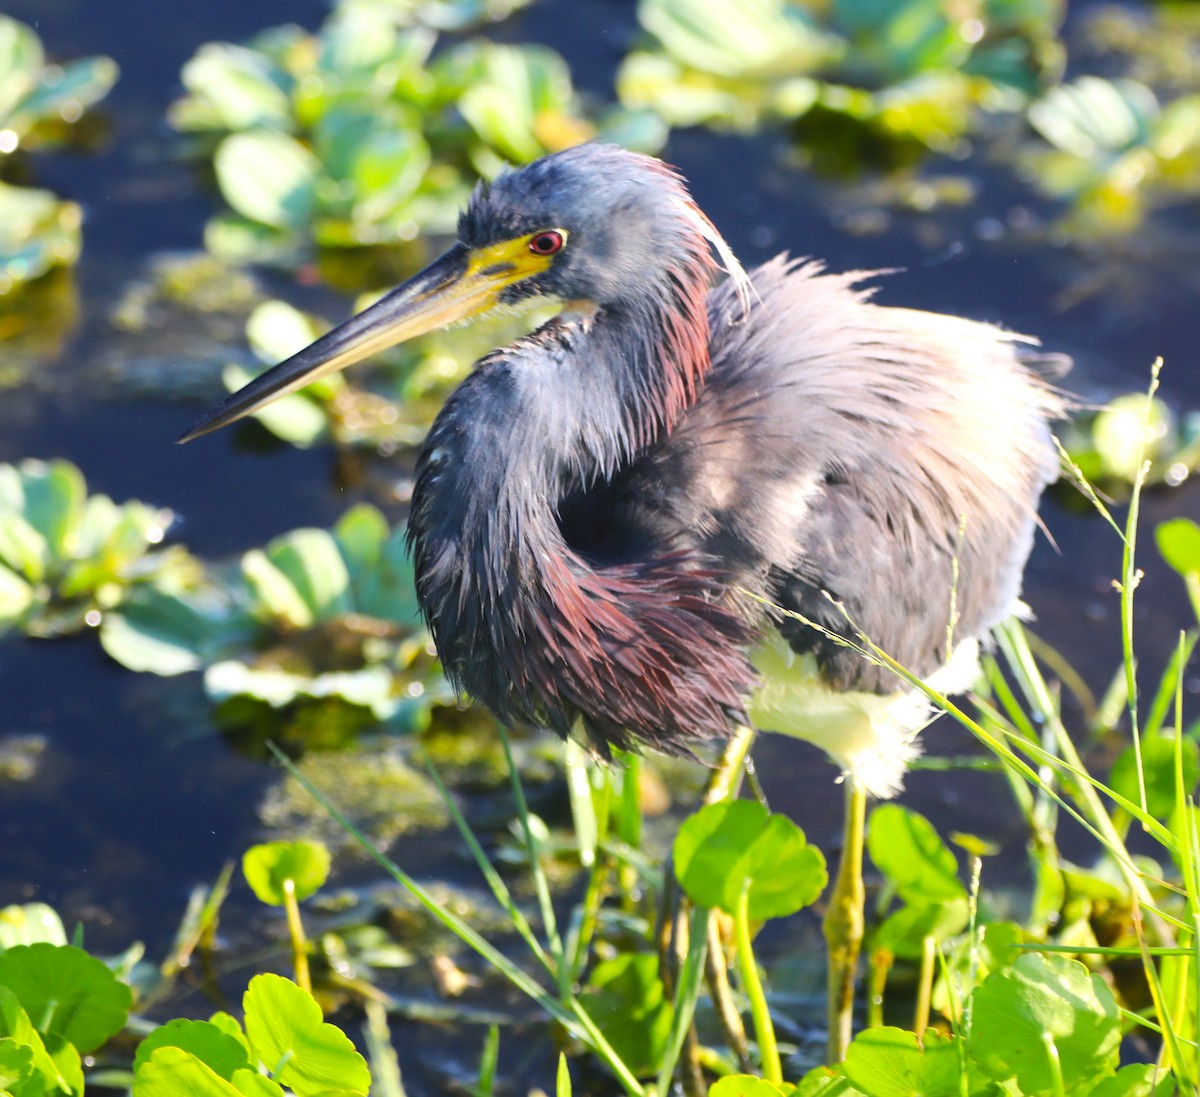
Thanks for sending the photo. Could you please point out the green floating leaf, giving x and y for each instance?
(626, 998)
(268, 177)
(29, 924)
(1040, 1007)
(218, 1050)
(1179, 542)
(267, 867)
(288, 1035)
(907, 850)
(172, 631)
(233, 88)
(66, 992)
(726, 847)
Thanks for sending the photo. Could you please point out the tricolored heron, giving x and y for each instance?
(605, 512)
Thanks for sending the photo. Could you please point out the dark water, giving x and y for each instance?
(137, 798)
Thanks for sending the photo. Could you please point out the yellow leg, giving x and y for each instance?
(844, 925)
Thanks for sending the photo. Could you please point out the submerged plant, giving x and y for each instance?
(68, 558)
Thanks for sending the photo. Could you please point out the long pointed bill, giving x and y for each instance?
(461, 284)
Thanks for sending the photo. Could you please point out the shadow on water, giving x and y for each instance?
(136, 799)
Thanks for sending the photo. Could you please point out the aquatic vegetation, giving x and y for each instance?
(1110, 445)
(57, 1005)
(408, 384)
(283, 1040)
(68, 558)
(918, 70)
(39, 105)
(1115, 152)
(315, 615)
(358, 136)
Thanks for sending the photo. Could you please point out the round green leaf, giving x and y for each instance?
(222, 1053)
(67, 992)
(54, 1059)
(889, 1062)
(1179, 542)
(727, 847)
(908, 851)
(173, 1072)
(310, 559)
(268, 866)
(268, 177)
(252, 1084)
(289, 1037)
(1043, 999)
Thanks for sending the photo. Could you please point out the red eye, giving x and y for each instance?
(546, 243)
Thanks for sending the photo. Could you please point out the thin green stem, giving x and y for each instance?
(296, 932)
(925, 986)
(764, 1029)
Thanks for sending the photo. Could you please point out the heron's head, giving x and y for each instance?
(594, 224)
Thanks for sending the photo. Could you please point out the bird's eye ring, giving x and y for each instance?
(546, 243)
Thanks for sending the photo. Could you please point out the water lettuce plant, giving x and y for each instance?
(917, 70)
(407, 385)
(1114, 150)
(315, 614)
(359, 136)
(39, 105)
(67, 558)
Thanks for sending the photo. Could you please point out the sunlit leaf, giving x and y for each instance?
(174, 1072)
(222, 1053)
(269, 177)
(1044, 1007)
(1178, 540)
(890, 1062)
(288, 1035)
(727, 847)
(29, 924)
(68, 992)
(267, 866)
